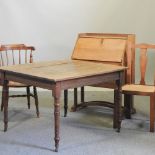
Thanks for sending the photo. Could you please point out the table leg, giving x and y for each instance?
(115, 110)
(56, 94)
(5, 96)
(118, 103)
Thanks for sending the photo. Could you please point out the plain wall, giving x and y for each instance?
(52, 25)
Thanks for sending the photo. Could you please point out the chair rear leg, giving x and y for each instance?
(152, 112)
(128, 101)
(36, 100)
(75, 98)
(28, 96)
(82, 94)
(74, 107)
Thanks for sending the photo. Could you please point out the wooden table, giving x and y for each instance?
(61, 75)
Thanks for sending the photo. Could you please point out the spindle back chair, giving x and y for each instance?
(13, 54)
(142, 88)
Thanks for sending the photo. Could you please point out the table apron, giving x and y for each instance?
(32, 81)
(65, 84)
(85, 81)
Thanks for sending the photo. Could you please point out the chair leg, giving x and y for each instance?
(82, 94)
(74, 107)
(152, 112)
(65, 102)
(28, 96)
(75, 98)
(2, 105)
(36, 100)
(128, 101)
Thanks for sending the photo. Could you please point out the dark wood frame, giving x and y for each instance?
(18, 48)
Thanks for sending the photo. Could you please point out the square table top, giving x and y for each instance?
(62, 69)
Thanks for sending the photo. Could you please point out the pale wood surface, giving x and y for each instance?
(138, 88)
(107, 47)
(100, 49)
(63, 70)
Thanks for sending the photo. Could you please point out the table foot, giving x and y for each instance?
(56, 139)
(56, 147)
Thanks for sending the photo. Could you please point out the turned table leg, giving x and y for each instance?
(56, 94)
(115, 110)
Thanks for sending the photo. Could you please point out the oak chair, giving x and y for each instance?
(18, 54)
(142, 88)
(105, 48)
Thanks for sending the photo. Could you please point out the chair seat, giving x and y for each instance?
(138, 88)
(16, 84)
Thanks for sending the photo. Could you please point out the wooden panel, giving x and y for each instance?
(127, 60)
(100, 49)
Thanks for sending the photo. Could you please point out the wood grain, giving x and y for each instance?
(100, 49)
(62, 70)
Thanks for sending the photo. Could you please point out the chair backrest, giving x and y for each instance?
(16, 54)
(107, 48)
(144, 48)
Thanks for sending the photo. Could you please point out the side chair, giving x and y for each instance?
(142, 88)
(13, 54)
